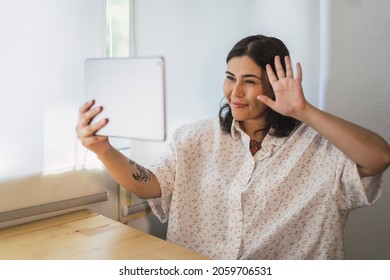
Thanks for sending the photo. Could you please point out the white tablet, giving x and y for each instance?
(131, 91)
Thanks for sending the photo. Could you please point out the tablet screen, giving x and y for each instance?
(131, 91)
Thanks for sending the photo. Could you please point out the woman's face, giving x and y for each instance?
(244, 81)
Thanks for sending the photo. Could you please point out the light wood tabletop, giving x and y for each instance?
(85, 235)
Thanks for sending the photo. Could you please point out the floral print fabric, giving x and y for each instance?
(289, 200)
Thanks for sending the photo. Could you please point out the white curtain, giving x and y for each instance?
(42, 50)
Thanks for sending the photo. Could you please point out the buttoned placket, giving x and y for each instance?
(240, 184)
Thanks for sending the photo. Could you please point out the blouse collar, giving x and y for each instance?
(236, 132)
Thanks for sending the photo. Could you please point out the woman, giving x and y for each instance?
(273, 178)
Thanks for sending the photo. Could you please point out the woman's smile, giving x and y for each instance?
(237, 105)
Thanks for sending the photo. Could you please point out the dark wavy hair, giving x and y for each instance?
(262, 50)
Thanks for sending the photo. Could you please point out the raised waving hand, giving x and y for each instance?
(289, 97)
(367, 149)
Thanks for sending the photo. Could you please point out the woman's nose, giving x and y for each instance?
(237, 90)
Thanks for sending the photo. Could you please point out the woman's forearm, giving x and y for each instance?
(130, 175)
(368, 150)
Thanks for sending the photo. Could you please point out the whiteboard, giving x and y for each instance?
(132, 93)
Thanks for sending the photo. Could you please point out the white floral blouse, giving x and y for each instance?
(288, 201)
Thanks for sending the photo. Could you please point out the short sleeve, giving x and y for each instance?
(164, 169)
(353, 191)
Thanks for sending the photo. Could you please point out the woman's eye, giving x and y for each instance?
(230, 78)
(249, 82)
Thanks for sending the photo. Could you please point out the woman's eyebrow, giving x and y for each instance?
(229, 73)
(244, 76)
(250, 76)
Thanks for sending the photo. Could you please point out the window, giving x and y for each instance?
(117, 28)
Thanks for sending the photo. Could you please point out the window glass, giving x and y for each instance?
(117, 28)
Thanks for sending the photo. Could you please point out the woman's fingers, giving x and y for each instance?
(289, 70)
(271, 75)
(86, 106)
(91, 129)
(87, 113)
(279, 68)
(85, 128)
(299, 72)
(280, 73)
(266, 100)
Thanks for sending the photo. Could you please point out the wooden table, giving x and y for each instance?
(85, 235)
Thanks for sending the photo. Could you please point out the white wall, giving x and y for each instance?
(195, 37)
(358, 89)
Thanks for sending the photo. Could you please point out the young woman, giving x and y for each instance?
(272, 178)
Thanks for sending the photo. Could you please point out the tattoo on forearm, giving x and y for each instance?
(142, 175)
